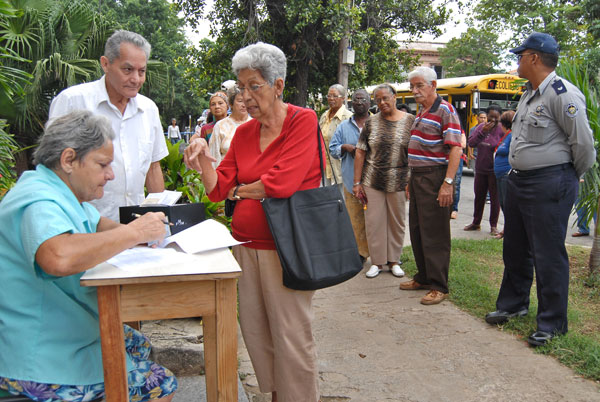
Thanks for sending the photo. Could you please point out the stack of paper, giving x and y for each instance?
(167, 197)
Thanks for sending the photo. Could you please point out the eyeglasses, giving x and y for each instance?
(385, 98)
(252, 88)
(520, 56)
(360, 100)
(334, 96)
(419, 86)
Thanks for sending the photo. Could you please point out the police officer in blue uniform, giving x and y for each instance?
(551, 148)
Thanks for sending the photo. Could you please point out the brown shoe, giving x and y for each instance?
(433, 297)
(471, 227)
(453, 215)
(494, 232)
(580, 234)
(412, 285)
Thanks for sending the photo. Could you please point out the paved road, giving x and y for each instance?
(465, 216)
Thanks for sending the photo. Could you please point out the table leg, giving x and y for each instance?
(220, 345)
(113, 344)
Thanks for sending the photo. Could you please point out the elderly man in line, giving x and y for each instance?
(343, 147)
(551, 148)
(139, 144)
(434, 152)
(328, 122)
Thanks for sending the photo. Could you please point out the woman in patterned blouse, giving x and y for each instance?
(380, 179)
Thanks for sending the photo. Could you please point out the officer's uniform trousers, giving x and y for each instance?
(537, 208)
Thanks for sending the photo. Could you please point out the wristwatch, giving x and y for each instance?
(448, 180)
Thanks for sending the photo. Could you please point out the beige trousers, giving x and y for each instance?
(276, 323)
(384, 223)
(357, 218)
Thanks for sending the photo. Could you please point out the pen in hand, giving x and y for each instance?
(163, 221)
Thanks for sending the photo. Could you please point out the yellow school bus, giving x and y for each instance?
(469, 95)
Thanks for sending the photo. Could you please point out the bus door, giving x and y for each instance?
(461, 104)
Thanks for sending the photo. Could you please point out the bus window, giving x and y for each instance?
(505, 101)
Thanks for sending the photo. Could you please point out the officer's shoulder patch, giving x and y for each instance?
(571, 110)
(559, 87)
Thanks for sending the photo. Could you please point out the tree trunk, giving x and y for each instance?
(343, 69)
(21, 162)
(594, 263)
(300, 97)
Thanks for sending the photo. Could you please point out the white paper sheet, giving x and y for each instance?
(206, 235)
(209, 262)
(140, 258)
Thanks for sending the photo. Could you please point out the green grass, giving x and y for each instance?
(476, 269)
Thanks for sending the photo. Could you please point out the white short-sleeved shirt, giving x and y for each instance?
(139, 141)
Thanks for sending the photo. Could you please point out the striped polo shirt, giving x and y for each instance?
(432, 135)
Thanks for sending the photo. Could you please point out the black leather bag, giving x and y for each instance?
(313, 235)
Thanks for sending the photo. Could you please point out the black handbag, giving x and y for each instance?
(229, 207)
(313, 236)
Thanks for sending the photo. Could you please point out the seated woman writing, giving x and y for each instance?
(49, 332)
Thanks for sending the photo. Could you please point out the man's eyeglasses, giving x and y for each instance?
(418, 87)
(385, 98)
(334, 96)
(360, 100)
(520, 56)
(252, 88)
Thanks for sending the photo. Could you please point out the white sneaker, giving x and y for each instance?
(397, 271)
(373, 271)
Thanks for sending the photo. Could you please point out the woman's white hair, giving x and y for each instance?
(268, 59)
(427, 73)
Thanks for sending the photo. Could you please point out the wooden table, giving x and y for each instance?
(205, 288)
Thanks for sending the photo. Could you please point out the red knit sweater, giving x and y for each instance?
(289, 164)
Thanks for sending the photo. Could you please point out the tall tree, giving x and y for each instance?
(474, 52)
(308, 31)
(567, 20)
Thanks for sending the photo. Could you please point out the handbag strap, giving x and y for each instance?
(319, 139)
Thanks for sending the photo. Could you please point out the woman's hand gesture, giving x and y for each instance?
(197, 149)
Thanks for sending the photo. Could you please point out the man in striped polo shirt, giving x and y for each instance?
(434, 152)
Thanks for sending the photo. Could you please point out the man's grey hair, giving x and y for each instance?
(80, 130)
(112, 49)
(427, 73)
(268, 59)
(340, 89)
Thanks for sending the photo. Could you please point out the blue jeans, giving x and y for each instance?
(457, 180)
(582, 224)
(501, 187)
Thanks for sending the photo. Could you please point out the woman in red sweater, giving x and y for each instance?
(273, 155)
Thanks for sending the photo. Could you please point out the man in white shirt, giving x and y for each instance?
(139, 143)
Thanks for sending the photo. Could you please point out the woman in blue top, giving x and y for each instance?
(501, 164)
(50, 234)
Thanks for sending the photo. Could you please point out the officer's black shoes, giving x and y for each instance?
(500, 317)
(539, 338)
